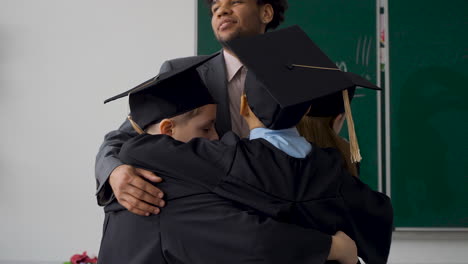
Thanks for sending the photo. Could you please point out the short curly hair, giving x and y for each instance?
(279, 8)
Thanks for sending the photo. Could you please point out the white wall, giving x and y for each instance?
(426, 247)
(59, 59)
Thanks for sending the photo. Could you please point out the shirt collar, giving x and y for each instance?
(262, 132)
(287, 140)
(232, 65)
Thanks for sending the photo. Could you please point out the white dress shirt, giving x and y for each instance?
(236, 73)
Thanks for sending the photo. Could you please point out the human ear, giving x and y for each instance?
(267, 13)
(338, 122)
(166, 126)
(340, 118)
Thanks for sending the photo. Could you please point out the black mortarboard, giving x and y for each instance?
(292, 71)
(332, 105)
(167, 95)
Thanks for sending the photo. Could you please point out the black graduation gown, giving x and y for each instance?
(199, 226)
(313, 192)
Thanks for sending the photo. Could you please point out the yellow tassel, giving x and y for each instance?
(353, 142)
(135, 125)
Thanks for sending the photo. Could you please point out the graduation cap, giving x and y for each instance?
(333, 104)
(287, 70)
(330, 105)
(167, 95)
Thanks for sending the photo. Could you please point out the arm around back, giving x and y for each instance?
(107, 158)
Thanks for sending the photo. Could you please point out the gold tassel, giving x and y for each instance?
(135, 125)
(353, 142)
(315, 67)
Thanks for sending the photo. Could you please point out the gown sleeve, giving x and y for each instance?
(199, 161)
(371, 215)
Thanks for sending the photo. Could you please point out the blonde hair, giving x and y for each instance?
(185, 117)
(319, 130)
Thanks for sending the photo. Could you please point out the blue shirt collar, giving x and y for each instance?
(262, 132)
(287, 140)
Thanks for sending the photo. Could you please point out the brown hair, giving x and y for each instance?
(279, 8)
(319, 130)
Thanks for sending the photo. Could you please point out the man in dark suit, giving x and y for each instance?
(224, 76)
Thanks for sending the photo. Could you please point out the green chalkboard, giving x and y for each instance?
(346, 31)
(428, 43)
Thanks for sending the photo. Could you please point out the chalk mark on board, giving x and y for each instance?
(358, 48)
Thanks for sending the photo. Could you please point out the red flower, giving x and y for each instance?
(83, 258)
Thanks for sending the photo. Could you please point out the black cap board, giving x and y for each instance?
(167, 95)
(291, 70)
(332, 105)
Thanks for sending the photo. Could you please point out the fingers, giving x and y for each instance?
(343, 249)
(342, 235)
(138, 207)
(136, 204)
(148, 175)
(146, 191)
(135, 193)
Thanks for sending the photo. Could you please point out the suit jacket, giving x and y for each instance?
(314, 192)
(212, 72)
